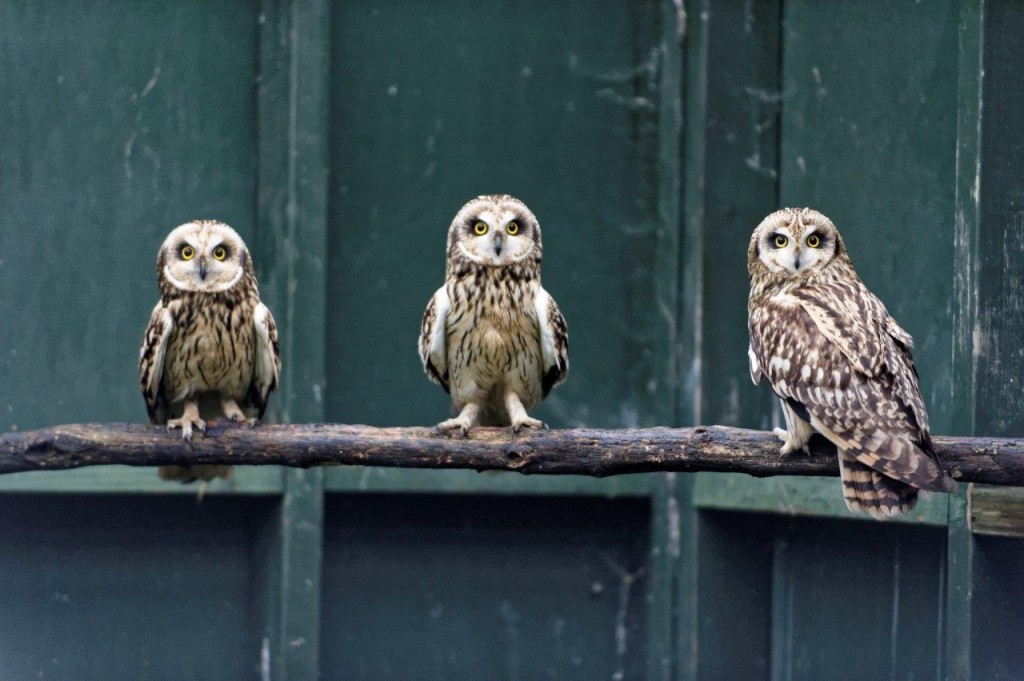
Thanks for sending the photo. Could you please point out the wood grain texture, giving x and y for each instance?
(593, 452)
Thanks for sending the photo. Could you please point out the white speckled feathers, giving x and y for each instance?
(837, 359)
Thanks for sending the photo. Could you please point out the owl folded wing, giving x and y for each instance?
(151, 362)
(267, 367)
(554, 341)
(849, 389)
(433, 338)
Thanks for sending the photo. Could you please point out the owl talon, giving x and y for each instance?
(186, 424)
(451, 428)
(528, 422)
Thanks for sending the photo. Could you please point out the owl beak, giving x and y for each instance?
(796, 262)
(202, 269)
(499, 241)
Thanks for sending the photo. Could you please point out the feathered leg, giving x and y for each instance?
(797, 433)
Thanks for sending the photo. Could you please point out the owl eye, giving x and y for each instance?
(512, 228)
(480, 228)
(220, 253)
(780, 241)
(187, 252)
(814, 241)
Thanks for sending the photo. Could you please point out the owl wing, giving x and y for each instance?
(834, 361)
(554, 341)
(151, 362)
(267, 367)
(433, 343)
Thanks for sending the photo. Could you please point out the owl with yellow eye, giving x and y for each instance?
(839, 363)
(492, 336)
(210, 344)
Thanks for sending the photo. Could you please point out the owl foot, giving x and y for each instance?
(789, 444)
(232, 410)
(527, 422)
(446, 427)
(518, 416)
(189, 419)
(463, 422)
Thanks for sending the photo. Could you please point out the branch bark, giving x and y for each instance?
(592, 452)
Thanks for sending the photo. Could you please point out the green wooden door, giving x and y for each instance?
(649, 138)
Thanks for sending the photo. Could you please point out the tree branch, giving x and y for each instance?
(598, 453)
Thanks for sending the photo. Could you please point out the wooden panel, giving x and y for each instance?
(856, 601)
(110, 588)
(118, 125)
(428, 111)
(419, 586)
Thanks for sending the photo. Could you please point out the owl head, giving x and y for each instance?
(496, 230)
(795, 242)
(205, 256)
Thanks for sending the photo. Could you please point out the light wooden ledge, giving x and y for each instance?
(582, 451)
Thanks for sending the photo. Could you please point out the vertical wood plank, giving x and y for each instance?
(665, 527)
(960, 545)
(291, 237)
(679, 503)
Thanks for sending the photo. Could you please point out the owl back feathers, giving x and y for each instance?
(830, 345)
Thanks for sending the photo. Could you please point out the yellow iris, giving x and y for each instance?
(187, 252)
(780, 241)
(480, 228)
(512, 228)
(220, 253)
(814, 241)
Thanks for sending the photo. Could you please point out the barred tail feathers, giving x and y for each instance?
(865, 489)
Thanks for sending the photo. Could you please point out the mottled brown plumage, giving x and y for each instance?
(492, 336)
(210, 341)
(838, 361)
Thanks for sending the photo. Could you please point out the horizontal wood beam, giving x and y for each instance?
(582, 451)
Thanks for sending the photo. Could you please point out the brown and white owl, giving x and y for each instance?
(839, 363)
(492, 336)
(210, 341)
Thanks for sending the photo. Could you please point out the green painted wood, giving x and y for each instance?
(117, 127)
(800, 497)
(127, 479)
(410, 593)
(674, 504)
(960, 558)
(734, 630)
(128, 587)
(369, 479)
(666, 378)
(865, 612)
(870, 142)
(982, 590)
(292, 237)
(868, 137)
(428, 111)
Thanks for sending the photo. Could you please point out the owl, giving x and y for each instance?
(210, 341)
(839, 363)
(492, 336)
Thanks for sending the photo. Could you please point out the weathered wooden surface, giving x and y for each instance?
(996, 511)
(592, 452)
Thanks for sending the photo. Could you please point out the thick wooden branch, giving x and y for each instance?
(591, 452)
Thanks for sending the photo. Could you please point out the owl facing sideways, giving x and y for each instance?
(839, 363)
(210, 341)
(492, 336)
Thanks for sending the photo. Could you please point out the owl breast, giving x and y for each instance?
(494, 340)
(212, 348)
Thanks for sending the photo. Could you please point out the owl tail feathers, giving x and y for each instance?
(187, 474)
(865, 489)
